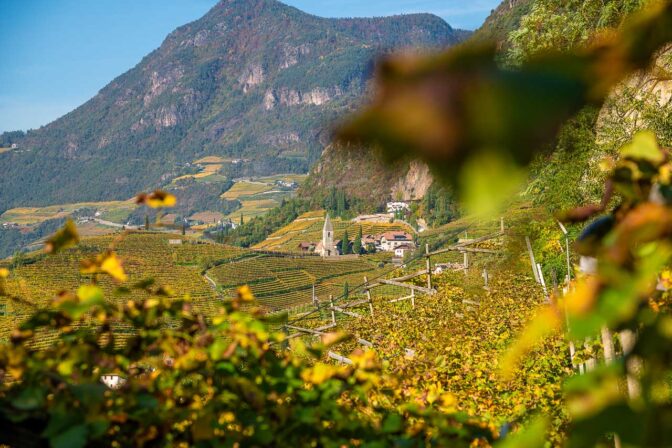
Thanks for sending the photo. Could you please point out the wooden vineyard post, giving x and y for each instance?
(368, 295)
(429, 267)
(486, 279)
(333, 313)
(501, 224)
(466, 261)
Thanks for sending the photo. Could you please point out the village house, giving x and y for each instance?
(403, 250)
(389, 241)
(394, 207)
(370, 239)
(306, 247)
(286, 184)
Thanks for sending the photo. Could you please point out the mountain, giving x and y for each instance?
(253, 81)
(503, 20)
(362, 175)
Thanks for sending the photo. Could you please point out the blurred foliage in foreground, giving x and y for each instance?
(194, 380)
(186, 379)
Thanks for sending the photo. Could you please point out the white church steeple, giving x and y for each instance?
(328, 247)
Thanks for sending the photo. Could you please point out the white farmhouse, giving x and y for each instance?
(391, 240)
(394, 207)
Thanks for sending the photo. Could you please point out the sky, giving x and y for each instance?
(55, 55)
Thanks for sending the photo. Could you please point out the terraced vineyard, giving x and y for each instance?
(144, 255)
(116, 211)
(280, 282)
(308, 228)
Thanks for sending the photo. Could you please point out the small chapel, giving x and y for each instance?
(327, 247)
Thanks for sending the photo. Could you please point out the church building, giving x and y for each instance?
(327, 247)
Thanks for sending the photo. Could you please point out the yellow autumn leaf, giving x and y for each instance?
(318, 374)
(581, 300)
(89, 293)
(112, 266)
(644, 146)
(245, 294)
(4, 273)
(157, 199)
(665, 174)
(64, 238)
(106, 263)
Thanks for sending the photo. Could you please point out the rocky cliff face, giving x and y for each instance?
(252, 79)
(362, 174)
(414, 184)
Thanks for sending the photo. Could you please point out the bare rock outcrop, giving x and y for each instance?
(252, 76)
(292, 97)
(414, 184)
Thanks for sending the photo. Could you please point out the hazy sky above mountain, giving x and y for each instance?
(58, 54)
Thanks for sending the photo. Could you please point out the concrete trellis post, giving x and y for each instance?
(608, 345)
(331, 307)
(628, 339)
(543, 282)
(532, 260)
(316, 302)
(486, 279)
(569, 264)
(368, 295)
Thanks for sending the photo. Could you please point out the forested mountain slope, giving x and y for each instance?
(253, 79)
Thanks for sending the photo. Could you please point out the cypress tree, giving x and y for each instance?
(340, 203)
(345, 244)
(146, 222)
(357, 244)
(346, 290)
